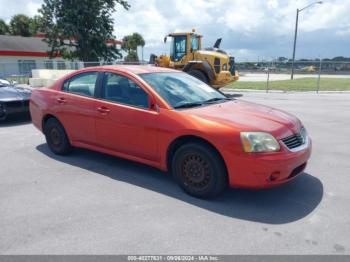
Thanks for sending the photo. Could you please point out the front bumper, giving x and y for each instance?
(224, 78)
(254, 170)
(13, 107)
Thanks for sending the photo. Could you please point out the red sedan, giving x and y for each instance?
(172, 121)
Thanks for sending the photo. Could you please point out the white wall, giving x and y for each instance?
(45, 77)
(9, 65)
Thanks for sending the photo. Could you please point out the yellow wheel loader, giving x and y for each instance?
(210, 65)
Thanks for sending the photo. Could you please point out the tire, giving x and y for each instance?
(199, 170)
(199, 75)
(56, 137)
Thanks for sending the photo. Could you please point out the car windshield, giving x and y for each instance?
(181, 90)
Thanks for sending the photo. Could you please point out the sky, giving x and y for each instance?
(251, 30)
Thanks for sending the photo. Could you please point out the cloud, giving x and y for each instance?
(33, 7)
(250, 29)
(343, 32)
(247, 18)
(272, 4)
(10, 8)
(327, 15)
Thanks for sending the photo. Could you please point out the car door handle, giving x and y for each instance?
(103, 110)
(61, 100)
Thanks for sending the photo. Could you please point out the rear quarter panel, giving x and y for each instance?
(41, 101)
(35, 108)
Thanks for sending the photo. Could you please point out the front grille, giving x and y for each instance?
(217, 66)
(26, 103)
(2, 110)
(295, 141)
(14, 104)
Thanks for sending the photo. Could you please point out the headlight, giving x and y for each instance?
(259, 142)
(303, 134)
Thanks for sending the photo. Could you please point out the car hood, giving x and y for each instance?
(11, 93)
(247, 116)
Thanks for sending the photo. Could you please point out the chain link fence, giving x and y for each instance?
(310, 75)
(22, 70)
(300, 67)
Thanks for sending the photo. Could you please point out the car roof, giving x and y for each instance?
(139, 69)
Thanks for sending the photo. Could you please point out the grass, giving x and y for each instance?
(301, 84)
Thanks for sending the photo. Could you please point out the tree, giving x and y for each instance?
(20, 25)
(340, 59)
(130, 44)
(131, 56)
(36, 25)
(80, 29)
(4, 29)
(282, 59)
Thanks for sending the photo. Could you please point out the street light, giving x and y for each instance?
(296, 32)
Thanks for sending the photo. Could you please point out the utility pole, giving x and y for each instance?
(295, 43)
(319, 75)
(296, 33)
(142, 54)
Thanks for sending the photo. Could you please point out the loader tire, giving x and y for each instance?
(199, 75)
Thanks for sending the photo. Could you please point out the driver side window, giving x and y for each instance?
(120, 89)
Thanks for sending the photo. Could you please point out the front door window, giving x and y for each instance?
(120, 89)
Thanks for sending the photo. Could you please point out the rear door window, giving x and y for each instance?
(82, 84)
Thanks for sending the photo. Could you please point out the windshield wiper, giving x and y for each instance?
(188, 105)
(209, 101)
(215, 99)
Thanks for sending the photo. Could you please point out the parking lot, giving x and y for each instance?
(90, 203)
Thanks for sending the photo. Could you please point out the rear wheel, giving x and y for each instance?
(56, 137)
(199, 75)
(199, 170)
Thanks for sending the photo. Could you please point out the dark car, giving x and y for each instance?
(13, 99)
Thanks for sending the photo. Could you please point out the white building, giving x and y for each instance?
(19, 55)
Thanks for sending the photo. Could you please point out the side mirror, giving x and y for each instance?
(152, 104)
(165, 38)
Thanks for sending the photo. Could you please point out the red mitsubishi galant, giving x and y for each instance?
(172, 121)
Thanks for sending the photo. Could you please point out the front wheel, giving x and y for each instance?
(56, 137)
(199, 170)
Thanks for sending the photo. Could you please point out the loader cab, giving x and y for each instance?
(183, 44)
(178, 47)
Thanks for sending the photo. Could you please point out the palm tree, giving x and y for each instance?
(130, 44)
